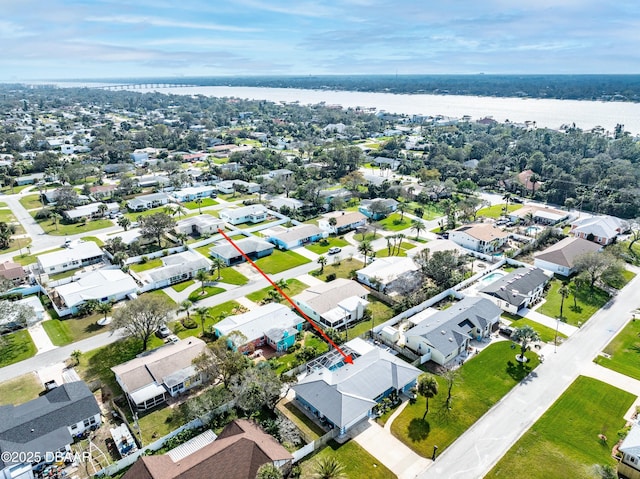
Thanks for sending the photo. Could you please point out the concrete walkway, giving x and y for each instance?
(40, 338)
(616, 379)
(564, 328)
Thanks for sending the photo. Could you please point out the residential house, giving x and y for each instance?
(378, 209)
(237, 453)
(29, 179)
(342, 394)
(517, 290)
(34, 303)
(599, 229)
(103, 285)
(279, 175)
(524, 178)
(291, 203)
(629, 465)
(102, 191)
(386, 274)
(231, 186)
(560, 258)
(76, 255)
(13, 272)
(442, 336)
(253, 247)
(244, 214)
(289, 238)
(92, 210)
(383, 162)
(158, 181)
(166, 371)
(44, 427)
(52, 197)
(193, 193)
(328, 196)
(480, 237)
(146, 202)
(139, 157)
(539, 214)
(344, 222)
(272, 324)
(175, 268)
(334, 304)
(199, 225)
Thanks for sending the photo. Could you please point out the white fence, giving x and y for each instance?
(314, 445)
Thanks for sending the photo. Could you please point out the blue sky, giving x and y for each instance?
(44, 39)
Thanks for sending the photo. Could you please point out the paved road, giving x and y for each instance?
(482, 446)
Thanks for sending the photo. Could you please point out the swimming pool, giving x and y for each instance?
(490, 278)
(532, 230)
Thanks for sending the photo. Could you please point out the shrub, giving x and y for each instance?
(144, 259)
(189, 323)
(331, 277)
(43, 214)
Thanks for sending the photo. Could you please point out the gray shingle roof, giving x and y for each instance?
(516, 286)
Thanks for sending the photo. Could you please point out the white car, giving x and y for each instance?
(334, 250)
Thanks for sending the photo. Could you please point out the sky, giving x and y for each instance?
(82, 39)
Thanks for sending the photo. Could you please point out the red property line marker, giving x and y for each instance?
(347, 357)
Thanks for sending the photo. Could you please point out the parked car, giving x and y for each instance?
(171, 339)
(334, 250)
(163, 332)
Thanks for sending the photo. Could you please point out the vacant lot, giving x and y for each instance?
(293, 287)
(624, 351)
(496, 211)
(66, 331)
(587, 302)
(20, 390)
(280, 261)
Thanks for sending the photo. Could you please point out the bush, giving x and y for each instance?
(189, 323)
(144, 259)
(331, 277)
(323, 242)
(43, 214)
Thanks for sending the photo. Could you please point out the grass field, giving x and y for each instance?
(293, 287)
(74, 228)
(358, 463)
(496, 211)
(192, 205)
(624, 350)
(230, 275)
(150, 264)
(21, 389)
(482, 382)
(66, 331)
(587, 303)
(547, 335)
(341, 270)
(564, 442)
(280, 261)
(18, 347)
(198, 294)
(31, 202)
(317, 248)
(182, 286)
(394, 223)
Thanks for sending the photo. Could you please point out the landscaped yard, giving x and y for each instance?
(66, 331)
(73, 228)
(384, 252)
(182, 286)
(482, 382)
(31, 202)
(17, 347)
(587, 303)
(626, 277)
(317, 248)
(358, 463)
(280, 261)
(293, 287)
(199, 294)
(21, 389)
(192, 205)
(231, 276)
(216, 313)
(394, 223)
(150, 264)
(496, 211)
(547, 335)
(624, 350)
(342, 270)
(564, 441)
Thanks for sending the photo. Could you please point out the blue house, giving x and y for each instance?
(254, 248)
(288, 238)
(273, 324)
(378, 209)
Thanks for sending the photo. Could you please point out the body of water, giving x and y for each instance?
(546, 113)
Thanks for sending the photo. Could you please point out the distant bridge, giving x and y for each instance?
(140, 86)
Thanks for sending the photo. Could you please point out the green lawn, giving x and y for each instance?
(192, 205)
(293, 287)
(358, 463)
(317, 248)
(159, 422)
(482, 382)
(159, 292)
(380, 313)
(565, 438)
(31, 202)
(17, 244)
(97, 241)
(288, 361)
(182, 286)
(496, 211)
(309, 428)
(341, 270)
(150, 264)
(230, 275)
(587, 303)
(547, 335)
(384, 252)
(394, 223)
(6, 216)
(21, 389)
(204, 250)
(431, 211)
(26, 259)
(198, 294)
(66, 331)
(216, 313)
(64, 274)
(624, 350)
(18, 347)
(280, 261)
(74, 228)
(626, 277)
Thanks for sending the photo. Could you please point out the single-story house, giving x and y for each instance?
(229, 186)
(382, 273)
(539, 214)
(34, 303)
(517, 290)
(329, 195)
(45, 426)
(442, 336)
(192, 193)
(244, 214)
(272, 324)
(175, 268)
(13, 272)
(254, 248)
(382, 161)
(75, 255)
(599, 229)
(52, 196)
(237, 453)
(334, 304)
(524, 178)
(559, 258)
(378, 209)
(200, 225)
(343, 394)
(146, 202)
(480, 237)
(146, 181)
(29, 179)
(103, 285)
(167, 370)
(102, 191)
(290, 203)
(288, 238)
(91, 210)
(629, 465)
(344, 221)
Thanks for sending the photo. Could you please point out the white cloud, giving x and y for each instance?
(165, 22)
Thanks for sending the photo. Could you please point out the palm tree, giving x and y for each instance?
(181, 237)
(102, 209)
(55, 217)
(402, 208)
(506, 197)
(124, 222)
(204, 314)
(321, 261)
(533, 179)
(202, 276)
(185, 306)
(217, 264)
(417, 226)
(333, 222)
(269, 471)
(120, 257)
(564, 293)
(179, 210)
(199, 203)
(525, 335)
(328, 467)
(427, 387)
(104, 308)
(573, 289)
(366, 249)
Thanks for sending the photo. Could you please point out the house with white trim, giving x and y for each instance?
(146, 202)
(175, 268)
(253, 247)
(244, 214)
(192, 193)
(77, 254)
(230, 186)
(200, 225)
(345, 221)
(518, 290)
(543, 215)
(383, 273)
(560, 257)
(480, 237)
(599, 229)
(91, 210)
(289, 238)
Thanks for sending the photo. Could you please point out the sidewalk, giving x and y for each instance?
(40, 338)
(540, 318)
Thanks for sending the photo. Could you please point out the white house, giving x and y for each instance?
(344, 221)
(192, 193)
(244, 214)
(629, 465)
(200, 225)
(288, 238)
(560, 257)
(92, 210)
(483, 238)
(146, 202)
(334, 304)
(382, 273)
(175, 268)
(517, 290)
(291, 203)
(230, 186)
(76, 255)
(599, 229)
(539, 214)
